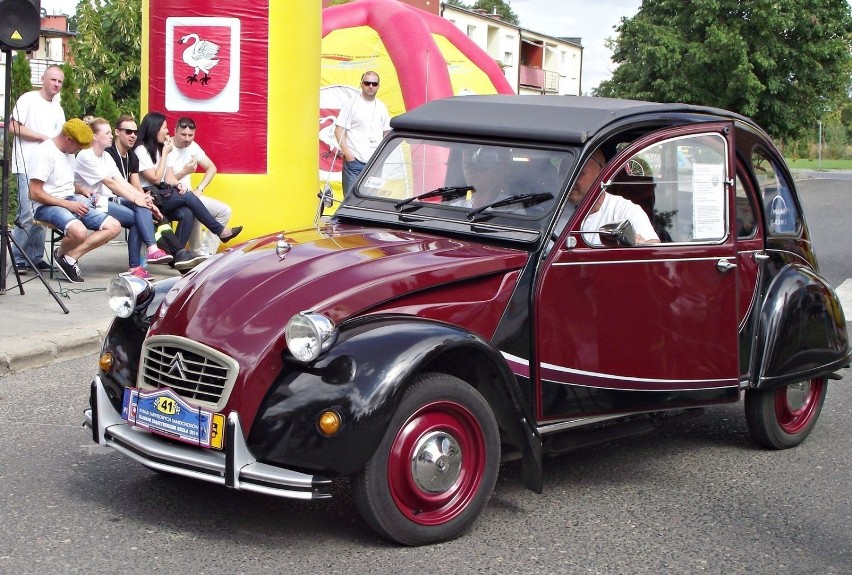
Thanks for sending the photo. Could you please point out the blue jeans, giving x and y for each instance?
(139, 223)
(61, 218)
(351, 171)
(31, 237)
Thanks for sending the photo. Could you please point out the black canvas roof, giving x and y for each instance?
(562, 119)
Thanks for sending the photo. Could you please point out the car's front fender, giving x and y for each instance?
(124, 340)
(802, 330)
(363, 379)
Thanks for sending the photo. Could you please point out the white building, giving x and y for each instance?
(533, 63)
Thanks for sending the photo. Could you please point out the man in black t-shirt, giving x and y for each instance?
(122, 154)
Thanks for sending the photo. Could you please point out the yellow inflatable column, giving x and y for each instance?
(256, 106)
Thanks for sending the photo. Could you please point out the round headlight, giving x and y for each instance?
(125, 292)
(309, 335)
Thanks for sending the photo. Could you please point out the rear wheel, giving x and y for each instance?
(435, 467)
(783, 417)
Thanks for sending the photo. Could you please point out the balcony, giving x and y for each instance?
(545, 80)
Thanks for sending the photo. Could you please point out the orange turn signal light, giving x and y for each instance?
(329, 422)
(105, 362)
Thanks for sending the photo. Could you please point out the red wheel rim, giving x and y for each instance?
(453, 425)
(795, 404)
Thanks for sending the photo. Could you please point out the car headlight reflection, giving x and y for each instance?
(309, 335)
(125, 292)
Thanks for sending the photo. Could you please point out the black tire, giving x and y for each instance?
(438, 495)
(783, 417)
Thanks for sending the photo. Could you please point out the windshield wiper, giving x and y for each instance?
(526, 199)
(446, 193)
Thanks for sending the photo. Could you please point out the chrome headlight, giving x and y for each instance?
(125, 292)
(309, 334)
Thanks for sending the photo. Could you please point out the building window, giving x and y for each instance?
(471, 29)
(508, 59)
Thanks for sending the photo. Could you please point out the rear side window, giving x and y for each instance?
(780, 210)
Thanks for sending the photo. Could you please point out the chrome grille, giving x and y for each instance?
(199, 374)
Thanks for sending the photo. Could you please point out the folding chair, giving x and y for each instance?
(55, 237)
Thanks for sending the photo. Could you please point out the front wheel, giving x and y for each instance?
(783, 417)
(436, 466)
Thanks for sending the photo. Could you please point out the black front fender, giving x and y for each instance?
(124, 340)
(363, 378)
(802, 330)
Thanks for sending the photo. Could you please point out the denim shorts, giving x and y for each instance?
(60, 217)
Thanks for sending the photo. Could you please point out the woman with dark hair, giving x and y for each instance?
(152, 147)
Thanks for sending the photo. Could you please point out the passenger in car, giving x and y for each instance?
(608, 208)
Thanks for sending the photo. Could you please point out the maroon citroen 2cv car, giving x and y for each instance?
(511, 277)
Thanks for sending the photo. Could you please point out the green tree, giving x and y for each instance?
(21, 77)
(501, 7)
(107, 52)
(70, 95)
(21, 83)
(106, 107)
(782, 62)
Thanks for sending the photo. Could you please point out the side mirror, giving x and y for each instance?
(617, 234)
(326, 200)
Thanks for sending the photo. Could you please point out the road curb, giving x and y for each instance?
(23, 353)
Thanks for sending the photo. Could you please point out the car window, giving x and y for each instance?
(407, 168)
(780, 211)
(680, 185)
(746, 220)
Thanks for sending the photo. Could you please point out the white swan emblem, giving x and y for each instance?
(201, 56)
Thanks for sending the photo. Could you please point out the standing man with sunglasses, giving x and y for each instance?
(359, 128)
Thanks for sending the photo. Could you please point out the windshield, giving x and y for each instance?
(417, 173)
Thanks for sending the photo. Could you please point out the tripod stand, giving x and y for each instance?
(6, 239)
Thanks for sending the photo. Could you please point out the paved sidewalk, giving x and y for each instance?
(34, 331)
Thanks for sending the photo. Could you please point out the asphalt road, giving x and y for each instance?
(827, 206)
(697, 496)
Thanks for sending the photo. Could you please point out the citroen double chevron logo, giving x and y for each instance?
(177, 368)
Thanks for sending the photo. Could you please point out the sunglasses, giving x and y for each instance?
(373, 84)
(129, 132)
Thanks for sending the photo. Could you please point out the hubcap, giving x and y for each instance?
(796, 404)
(437, 462)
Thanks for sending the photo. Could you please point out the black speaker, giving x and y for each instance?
(20, 24)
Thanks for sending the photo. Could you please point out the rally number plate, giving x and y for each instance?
(164, 412)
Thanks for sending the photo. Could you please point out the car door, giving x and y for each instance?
(646, 327)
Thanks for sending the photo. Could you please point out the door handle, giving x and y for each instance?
(724, 265)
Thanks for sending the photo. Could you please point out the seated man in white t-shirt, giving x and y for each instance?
(609, 208)
(181, 162)
(52, 191)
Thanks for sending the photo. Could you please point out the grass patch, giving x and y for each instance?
(806, 164)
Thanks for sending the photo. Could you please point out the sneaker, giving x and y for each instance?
(70, 271)
(22, 269)
(158, 256)
(140, 272)
(185, 260)
(43, 266)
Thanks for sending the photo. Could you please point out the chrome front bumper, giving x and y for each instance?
(233, 467)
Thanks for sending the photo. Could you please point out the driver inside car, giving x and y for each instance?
(608, 208)
(486, 172)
